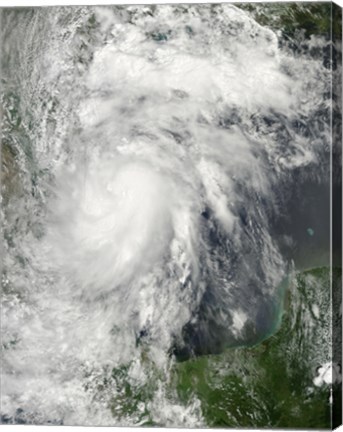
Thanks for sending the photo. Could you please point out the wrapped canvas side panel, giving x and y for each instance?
(337, 212)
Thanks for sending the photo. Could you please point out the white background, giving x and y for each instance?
(26, 428)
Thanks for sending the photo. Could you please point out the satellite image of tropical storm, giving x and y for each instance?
(171, 215)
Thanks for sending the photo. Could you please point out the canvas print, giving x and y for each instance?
(171, 215)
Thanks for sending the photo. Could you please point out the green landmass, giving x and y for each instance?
(315, 18)
(269, 385)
